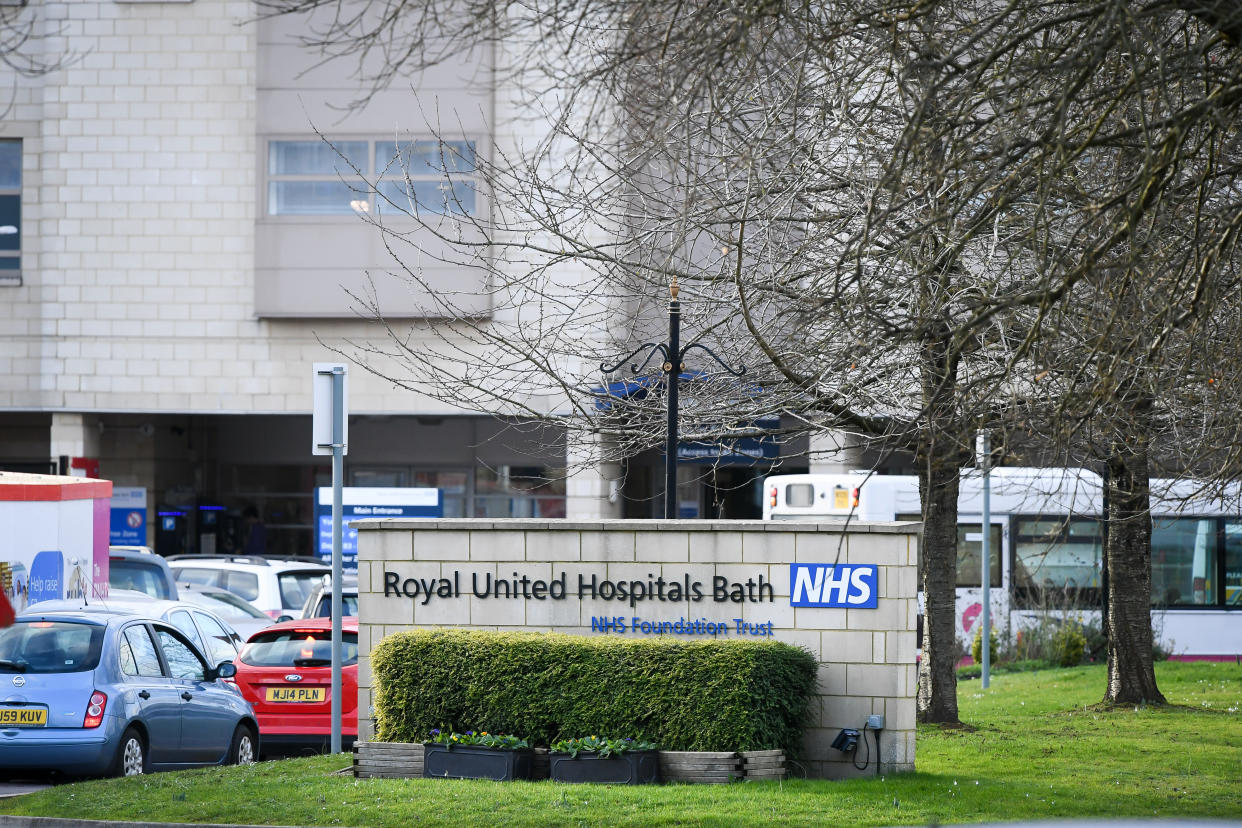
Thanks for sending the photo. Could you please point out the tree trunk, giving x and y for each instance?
(1131, 674)
(939, 459)
(938, 489)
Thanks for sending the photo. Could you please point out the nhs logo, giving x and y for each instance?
(824, 585)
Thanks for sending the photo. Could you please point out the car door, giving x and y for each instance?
(149, 690)
(208, 715)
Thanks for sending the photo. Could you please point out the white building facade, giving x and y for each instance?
(178, 245)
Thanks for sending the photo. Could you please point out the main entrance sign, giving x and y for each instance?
(653, 588)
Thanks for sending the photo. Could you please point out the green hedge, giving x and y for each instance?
(682, 695)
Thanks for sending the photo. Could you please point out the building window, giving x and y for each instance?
(327, 178)
(10, 211)
(519, 491)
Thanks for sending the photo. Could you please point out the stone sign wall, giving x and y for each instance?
(846, 594)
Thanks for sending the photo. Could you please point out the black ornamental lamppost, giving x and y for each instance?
(674, 356)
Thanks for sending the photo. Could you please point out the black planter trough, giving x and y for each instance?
(469, 762)
(636, 767)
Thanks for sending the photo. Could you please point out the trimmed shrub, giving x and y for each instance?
(1069, 644)
(976, 646)
(682, 695)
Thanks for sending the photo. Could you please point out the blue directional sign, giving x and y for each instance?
(368, 502)
(128, 517)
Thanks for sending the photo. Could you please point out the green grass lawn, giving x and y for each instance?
(1033, 748)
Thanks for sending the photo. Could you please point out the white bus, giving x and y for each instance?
(1046, 546)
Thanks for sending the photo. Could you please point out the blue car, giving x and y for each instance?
(102, 693)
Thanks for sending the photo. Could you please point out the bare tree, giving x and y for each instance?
(869, 204)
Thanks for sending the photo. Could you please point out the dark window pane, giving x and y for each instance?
(219, 642)
(138, 656)
(128, 574)
(1056, 563)
(245, 584)
(51, 646)
(970, 556)
(296, 587)
(181, 620)
(10, 164)
(1183, 562)
(183, 663)
(10, 222)
(1233, 563)
(296, 648)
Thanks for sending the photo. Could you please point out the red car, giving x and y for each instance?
(285, 672)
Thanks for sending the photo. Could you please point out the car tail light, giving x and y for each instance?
(308, 651)
(274, 614)
(854, 498)
(95, 710)
(772, 497)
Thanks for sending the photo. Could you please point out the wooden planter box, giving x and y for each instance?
(637, 767)
(700, 766)
(470, 762)
(403, 760)
(388, 760)
(763, 764)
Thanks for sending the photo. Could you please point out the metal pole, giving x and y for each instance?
(985, 650)
(338, 452)
(673, 369)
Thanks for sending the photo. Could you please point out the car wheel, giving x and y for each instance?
(243, 751)
(131, 756)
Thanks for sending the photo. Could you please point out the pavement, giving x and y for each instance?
(22, 786)
(7, 821)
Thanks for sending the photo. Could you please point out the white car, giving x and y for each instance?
(319, 603)
(213, 636)
(277, 586)
(241, 615)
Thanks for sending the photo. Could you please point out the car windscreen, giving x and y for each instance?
(297, 585)
(139, 575)
(349, 603)
(51, 647)
(298, 648)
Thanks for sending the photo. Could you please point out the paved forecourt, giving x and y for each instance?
(848, 594)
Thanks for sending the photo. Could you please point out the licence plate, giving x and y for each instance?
(23, 716)
(296, 694)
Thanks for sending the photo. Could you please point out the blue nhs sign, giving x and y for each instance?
(853, 586)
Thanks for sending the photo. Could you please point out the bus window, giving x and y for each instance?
(1056, 563)
(1233, 563)
(970, 556)
(800, 495)
(1183, 562)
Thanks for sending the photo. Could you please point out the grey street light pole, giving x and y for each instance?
(672, 368)
(330, 434)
